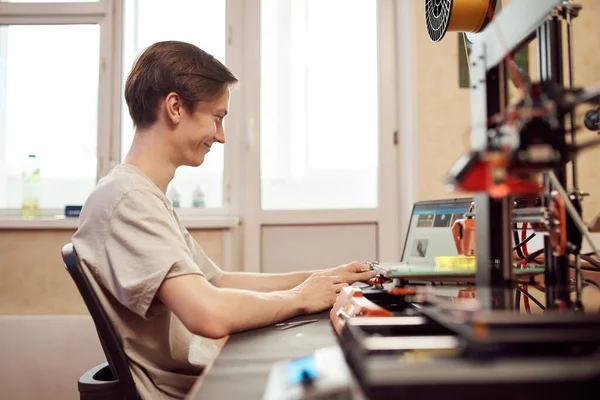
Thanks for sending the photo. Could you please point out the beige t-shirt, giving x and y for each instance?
(129, 240)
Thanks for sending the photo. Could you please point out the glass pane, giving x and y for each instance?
(50, 77)
(319, 104)
(202, 24)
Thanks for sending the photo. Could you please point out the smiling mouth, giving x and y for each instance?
(207, 146)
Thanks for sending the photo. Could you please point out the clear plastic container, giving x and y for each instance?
(174, 196)
(31, 177)
(198, 200)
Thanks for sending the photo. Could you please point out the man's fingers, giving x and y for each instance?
(365, 276)
(358, 267)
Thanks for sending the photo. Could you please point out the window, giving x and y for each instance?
(319, 104)
(203, 24)
(48, 107)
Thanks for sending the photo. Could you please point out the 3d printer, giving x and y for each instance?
(517, 167)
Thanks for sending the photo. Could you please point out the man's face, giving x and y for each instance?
(197, 132)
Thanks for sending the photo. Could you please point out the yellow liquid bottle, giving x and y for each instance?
(30, 207)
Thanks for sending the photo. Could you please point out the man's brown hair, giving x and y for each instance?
(178, 67)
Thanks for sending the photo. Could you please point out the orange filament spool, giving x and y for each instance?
(468, 16)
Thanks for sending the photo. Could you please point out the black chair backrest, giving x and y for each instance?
(111, 343)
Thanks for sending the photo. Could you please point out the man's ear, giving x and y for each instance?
(174, 107)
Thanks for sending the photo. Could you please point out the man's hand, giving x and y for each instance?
(353, 272)
(319, 291)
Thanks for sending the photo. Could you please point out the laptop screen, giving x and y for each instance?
(430, 231)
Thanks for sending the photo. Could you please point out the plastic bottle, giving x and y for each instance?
(174, 196)
(30, 205)
(198, 200)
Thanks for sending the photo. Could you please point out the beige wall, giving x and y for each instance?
(48, 365)
(444, 108)
(587, 72)
(443, 111)
(34, 281)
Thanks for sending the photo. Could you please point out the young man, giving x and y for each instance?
(169, 302)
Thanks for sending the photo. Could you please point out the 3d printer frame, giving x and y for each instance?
(519, 23)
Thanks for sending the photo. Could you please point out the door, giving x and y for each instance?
(319, 161)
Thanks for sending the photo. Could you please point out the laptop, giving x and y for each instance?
(429, 235)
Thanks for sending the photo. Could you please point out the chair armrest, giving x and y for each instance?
(98, 378)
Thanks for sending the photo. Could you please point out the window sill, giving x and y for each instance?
(201, 222)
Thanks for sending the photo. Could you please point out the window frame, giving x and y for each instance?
(103, 13)
(225, 212)
(299, 119)
(3, 50)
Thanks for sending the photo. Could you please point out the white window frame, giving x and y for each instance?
(103, 13)
(213, 217)
(406, 71)
(3, 86)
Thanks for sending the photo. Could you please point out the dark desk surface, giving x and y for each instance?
(242, 368)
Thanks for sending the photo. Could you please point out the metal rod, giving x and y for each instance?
(578, 281)
(550, 64)
(578, 273)
(573, 212)
(571, 83)
(530, 219)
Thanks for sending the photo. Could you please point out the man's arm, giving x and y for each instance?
(348, 273)
(215, 312)
(260, 282)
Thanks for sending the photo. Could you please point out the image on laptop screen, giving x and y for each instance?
(430, 231)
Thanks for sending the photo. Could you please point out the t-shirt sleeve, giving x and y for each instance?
(210, 270)
(143, 246)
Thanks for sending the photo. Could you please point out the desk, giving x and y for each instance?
(242, 368)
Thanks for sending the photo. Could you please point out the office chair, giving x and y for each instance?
(111, 380)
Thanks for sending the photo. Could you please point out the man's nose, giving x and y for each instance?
(220, 136)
